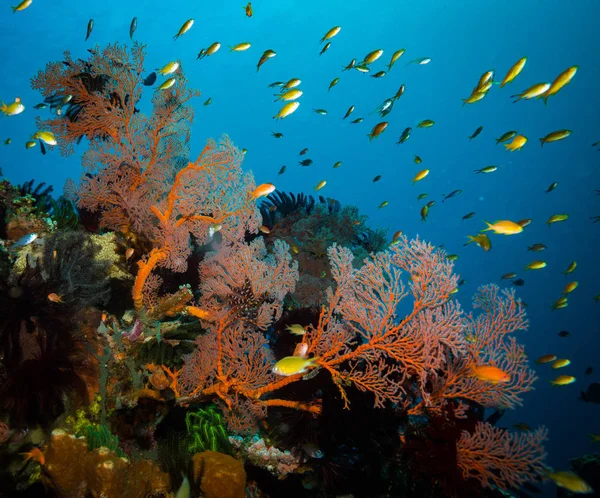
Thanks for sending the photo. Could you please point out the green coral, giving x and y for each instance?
(86, 423)
(99, 436)
(206, 431)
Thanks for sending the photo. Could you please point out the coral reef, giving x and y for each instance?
(149, 323)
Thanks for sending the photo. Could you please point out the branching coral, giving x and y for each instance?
(494, 456)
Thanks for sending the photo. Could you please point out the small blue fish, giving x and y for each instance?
(24, 241)
(454, 193)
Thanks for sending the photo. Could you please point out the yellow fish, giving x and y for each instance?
(334, 82)
(570, 287)
(482, 240)
(555, 218)
(383, 204)
(167, 84)
(292, 94)
(570, 481)
(570, 268)
(397, 54)
(296, 329)
(560, 303)
(286, 110)
(169, 68)
(536, 265)
(514, 71)
(331, 33)
(474, 97)
(426, 123)
(22, 6)
(420, 175)
(517, 142)
(184, 29)
(12, 109)
(293, 365)
(560, 363)
(555, 136)
(213, 48)
(294, 82)
(267, 54)
(563, 380)
(320, 185)
(536, 90)
(372, 57)
(504, 227)
(240, 47)
(484, 79)
(45, 136)
(561, 80)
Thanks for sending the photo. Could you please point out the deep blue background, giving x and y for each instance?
(464, 39)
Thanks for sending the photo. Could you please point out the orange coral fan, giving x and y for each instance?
(99, 94)
(488, 342)
(495, 456)
(420, 361)
(213, 190)
(363, 305)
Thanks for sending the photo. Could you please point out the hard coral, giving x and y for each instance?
(219, 475)
(75, 472)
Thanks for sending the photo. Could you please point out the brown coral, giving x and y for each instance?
(75, 472)
(220, 476)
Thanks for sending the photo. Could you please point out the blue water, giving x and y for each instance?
(464, 39)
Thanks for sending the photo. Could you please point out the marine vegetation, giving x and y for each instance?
(381, 343)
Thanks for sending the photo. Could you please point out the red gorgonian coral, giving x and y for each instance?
(495, 456)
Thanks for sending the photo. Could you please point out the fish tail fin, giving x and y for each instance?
(477, 171)
(3, 106)
(314, 360)
(488, 228)
(542, 142)
(471, 240)
(370, 135)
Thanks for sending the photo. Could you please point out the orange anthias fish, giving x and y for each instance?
(248, 9)
(55, 298)
(34, 454)
(491, 374)
(262, 190)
